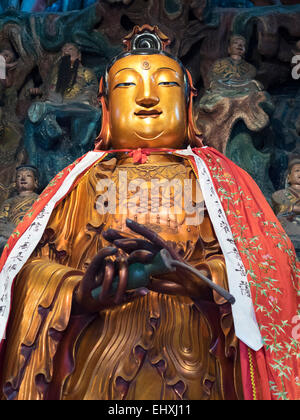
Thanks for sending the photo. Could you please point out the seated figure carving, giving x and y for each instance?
(62, 125)
(286, 203)
(14, 209)
(8, 94)
(233, 109)
(98, 310)
(11, 154)
(234, 75)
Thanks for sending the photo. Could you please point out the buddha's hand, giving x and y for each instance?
(94, 292)
(145, 251)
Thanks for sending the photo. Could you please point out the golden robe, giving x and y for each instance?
(156, 347)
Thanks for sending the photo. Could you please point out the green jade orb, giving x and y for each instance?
(138, 275)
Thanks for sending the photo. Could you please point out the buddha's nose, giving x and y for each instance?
(147, 97)
(147, 101)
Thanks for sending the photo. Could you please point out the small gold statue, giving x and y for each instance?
(14, 209)
(232, 108)
(11, 154)
(67, 113)
(287, 203)
(69, 81)
(233, 73)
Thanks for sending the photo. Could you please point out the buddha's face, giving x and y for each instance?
(146, 103)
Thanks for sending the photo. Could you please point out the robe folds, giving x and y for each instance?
(262, 274)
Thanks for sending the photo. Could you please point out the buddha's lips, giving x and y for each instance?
(144, 113)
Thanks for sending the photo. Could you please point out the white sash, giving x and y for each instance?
(245, 324)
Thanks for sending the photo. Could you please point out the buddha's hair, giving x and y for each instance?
(195, 139)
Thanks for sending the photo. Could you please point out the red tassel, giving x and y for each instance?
(139, 155)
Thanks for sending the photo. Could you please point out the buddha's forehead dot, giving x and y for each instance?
(146, 65)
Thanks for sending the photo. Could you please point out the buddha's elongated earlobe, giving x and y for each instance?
(102, 142)
(195, 138)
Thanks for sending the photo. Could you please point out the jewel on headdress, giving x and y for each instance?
(146, 37)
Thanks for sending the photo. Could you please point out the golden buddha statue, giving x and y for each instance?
(157, 346)
(170, 339)
(14, 209)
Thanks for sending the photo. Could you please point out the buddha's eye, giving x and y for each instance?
(124, 84)
(168, 84)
